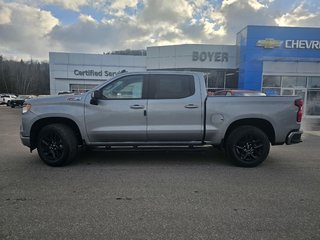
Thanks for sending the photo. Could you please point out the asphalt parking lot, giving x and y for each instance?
(157, 195)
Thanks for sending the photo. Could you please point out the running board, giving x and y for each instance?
(150, 148)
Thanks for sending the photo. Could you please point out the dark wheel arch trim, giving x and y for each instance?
(38, 125)
(259, 123)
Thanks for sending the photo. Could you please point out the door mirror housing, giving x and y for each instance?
(95, 96)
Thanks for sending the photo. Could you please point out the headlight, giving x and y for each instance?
(26, 107)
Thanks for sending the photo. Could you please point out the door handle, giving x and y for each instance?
(191, 106)
(137, 106)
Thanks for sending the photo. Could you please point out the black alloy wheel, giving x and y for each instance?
(57, 145)
(247, 146)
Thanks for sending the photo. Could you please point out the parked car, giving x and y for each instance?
(6, 98)
(43, 96)
(65, 92)
(238, 93)
(159, 109)
(19, 101)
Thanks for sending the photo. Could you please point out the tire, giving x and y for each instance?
(247, 146)
(57, 145)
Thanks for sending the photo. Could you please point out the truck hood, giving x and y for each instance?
(56, 99)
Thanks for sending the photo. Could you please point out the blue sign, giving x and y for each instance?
(265, 43)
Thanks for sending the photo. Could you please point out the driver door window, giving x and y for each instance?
(129, 87)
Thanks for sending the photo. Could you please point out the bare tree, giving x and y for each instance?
(31, 77)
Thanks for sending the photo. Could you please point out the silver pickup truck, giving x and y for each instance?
(159, 109)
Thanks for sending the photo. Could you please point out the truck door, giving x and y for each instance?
(120, 114)
(174, 108)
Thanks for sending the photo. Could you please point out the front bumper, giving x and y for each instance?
(294, 137)
(25, 140)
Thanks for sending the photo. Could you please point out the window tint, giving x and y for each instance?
(165, 86)
(129, 87)
(271, 81)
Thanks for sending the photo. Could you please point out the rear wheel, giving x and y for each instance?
(57, 145)
(247, 146)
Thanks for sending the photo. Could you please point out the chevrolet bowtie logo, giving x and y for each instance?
(268, 43)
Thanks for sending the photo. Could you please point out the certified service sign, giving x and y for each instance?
(268, 43)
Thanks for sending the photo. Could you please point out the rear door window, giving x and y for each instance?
(170, 86)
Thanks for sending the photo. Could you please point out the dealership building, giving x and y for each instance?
(275, 60)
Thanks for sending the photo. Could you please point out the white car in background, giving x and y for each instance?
(6, 98)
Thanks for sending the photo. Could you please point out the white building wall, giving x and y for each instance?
(291, 68)
(78, 68)
(191, 56)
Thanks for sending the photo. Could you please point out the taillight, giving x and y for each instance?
(299, 104)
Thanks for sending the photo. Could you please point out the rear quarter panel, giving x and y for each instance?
(222, 111)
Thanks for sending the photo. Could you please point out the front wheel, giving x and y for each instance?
(57, 145)
(247, 146)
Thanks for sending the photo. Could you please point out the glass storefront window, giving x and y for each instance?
(271, 81)
(313, 82)
(294, 82)
(301, 82)
(272, 91)
(288, 82)
(80, 88)
(308, 88)
(287, 92)
(313, 102)
(216, 79)
(232, 80)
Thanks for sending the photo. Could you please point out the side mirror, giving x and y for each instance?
(95, 96)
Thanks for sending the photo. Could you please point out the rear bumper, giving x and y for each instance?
(294, 137)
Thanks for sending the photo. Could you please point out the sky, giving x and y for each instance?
(30, 29)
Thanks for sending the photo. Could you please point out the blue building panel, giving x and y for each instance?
(257, 44)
